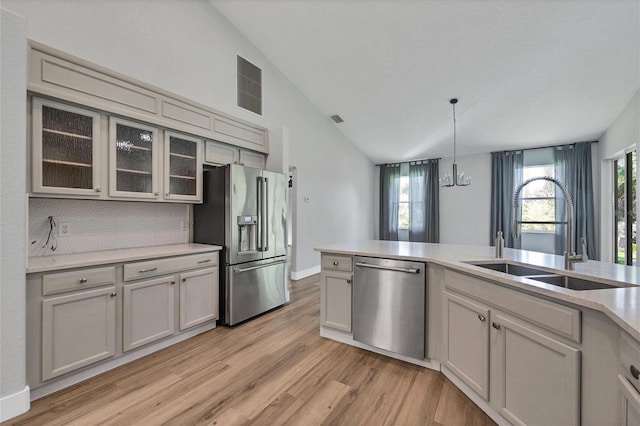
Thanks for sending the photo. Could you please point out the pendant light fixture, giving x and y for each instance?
(455, 178)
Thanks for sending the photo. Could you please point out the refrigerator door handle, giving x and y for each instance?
(265, 217)
(251, 268)
(260, 201)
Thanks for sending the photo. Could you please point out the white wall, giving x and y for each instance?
(621, 136)
(465, 211)
(14, 394)
(188, 48)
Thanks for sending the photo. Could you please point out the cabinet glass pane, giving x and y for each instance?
(182, 166)
(134, 159)
(67, 149)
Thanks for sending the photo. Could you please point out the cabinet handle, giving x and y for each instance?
(83, 280)
(482, 318)
(184, 280)
(205, 261)
(634, 372)
(156, 193)
(335, 263)
(348, 280)
(166, 194)
(147, 270)
(173, 282)
(114, 294)
(98, 189)
(495, 325)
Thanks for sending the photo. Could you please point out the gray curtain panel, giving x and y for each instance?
(506, 175)
(424, 196)
(389, 198)
(573, 168)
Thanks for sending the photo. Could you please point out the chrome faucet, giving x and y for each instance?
(569, 256)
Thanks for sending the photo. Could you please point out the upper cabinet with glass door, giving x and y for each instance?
(182, 167)
(133, 160)
(66, 150)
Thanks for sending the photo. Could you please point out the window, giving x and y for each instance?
(403, 204)
(624, 169)
(538, 200)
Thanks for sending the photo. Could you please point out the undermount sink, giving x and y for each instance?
(510, 268)
(573, 283)
(564, 281)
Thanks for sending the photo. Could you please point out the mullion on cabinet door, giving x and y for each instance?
(182, 167)
(133, 159)
(66, 149)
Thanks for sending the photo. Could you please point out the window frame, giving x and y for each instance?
(523, 199)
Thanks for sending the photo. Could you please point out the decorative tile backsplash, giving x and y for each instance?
(92, 225)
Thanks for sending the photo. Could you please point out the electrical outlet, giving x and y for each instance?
(64, 229)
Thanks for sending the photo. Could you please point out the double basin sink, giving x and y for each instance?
(559, 280)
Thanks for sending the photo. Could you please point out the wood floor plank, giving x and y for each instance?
(273, 370)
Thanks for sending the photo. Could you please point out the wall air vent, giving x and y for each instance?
(337, 119)
(249, 86)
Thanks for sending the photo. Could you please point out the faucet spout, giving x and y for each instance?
(569, 256)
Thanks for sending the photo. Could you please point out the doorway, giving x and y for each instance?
(291, 219)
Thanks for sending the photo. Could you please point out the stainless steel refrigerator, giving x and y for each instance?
(245, 210)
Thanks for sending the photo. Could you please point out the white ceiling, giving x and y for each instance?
(527, 73)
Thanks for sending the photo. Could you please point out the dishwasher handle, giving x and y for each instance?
(389, 268)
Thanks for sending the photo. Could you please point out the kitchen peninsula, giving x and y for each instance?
(525, 351)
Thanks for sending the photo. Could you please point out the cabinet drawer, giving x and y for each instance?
(630, 359)
(551, 316)
(336, 263)
(86, 278)
(137, 270)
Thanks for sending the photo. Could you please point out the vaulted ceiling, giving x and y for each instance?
(527, 73)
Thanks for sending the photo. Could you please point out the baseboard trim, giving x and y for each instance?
(15, 404)
(298, 275)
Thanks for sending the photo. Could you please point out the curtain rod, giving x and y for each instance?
(541, 147)
(410, 161)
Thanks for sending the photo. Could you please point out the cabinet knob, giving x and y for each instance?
(335, 263)
(98, 189)
(634, 372)
(114, 294)
(156, 193)
(83, 280)
(184, 280)
(348, 280)
(495, 325)
(166, 194)
(482, 318)
(173, 282)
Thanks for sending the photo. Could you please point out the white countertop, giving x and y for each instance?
(66, 261)
(622, 305)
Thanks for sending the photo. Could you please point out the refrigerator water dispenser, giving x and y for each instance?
(248, 234)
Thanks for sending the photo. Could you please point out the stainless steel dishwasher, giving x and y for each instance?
(389, 299)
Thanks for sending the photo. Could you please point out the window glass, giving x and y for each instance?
(403, 205)
(538, 199)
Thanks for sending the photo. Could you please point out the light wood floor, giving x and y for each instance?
(273, 370)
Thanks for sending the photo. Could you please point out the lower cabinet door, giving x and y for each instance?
(466, 346)
(198, 297)
(77, 330)
(536, 377)
(335, 300)
(630, 403)
(148, 312)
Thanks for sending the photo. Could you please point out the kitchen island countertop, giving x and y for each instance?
(621, 305)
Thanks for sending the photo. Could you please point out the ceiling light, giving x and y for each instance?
(455, 178)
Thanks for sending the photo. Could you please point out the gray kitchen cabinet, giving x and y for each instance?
(629, 380)
(66, 154)
(78, 329)
(466, 330)
(335, 292)
(218, 153)
(198, 297)
(536, 377)
(133, 160)
(629, 403)
(148, 312)
(182, 167)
